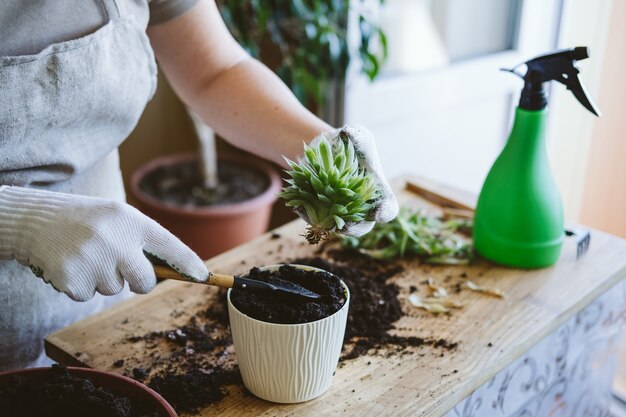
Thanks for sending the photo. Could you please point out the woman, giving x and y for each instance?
(74, 79)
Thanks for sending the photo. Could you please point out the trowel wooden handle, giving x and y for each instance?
(165, 272)
(240, 283)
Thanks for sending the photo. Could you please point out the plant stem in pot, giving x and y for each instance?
(208, 158)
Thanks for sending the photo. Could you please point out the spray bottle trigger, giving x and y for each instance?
(558, 66)
(580, 92)
(580, 52)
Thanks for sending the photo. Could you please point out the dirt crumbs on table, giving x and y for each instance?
(286, 308)
(190, 366)
(195, 389)
(194, 365)
(59, 393)
(374, 305)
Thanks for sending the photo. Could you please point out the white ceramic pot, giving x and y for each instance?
(288, 363)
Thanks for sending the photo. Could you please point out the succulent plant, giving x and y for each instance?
(329, 188)
(413, 233)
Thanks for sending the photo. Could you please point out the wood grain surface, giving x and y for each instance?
(491, 332)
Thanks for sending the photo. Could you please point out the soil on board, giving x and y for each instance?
(60, 393)
(286, 308)
(377, 309)
(181, 184)
(199, 367)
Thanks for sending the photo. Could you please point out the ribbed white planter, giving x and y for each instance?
(288, 363)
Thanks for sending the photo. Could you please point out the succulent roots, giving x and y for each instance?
(315, 234)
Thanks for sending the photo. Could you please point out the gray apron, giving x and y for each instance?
(63, 113)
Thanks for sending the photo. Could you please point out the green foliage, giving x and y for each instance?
(330, 188)
(309, 37)
(412, 233)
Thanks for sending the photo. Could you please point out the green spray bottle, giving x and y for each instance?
(519, 215)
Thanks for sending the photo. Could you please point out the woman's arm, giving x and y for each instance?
(236, 95)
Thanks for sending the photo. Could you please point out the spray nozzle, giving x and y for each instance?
(558, 66)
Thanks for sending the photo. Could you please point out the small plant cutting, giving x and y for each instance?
(413, 233)
(329, 188)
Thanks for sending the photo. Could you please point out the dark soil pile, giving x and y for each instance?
(197, 366)
(195, 389)
(182, 185)
(374, 306)
(196, 373)
(286, 308)
(62, 394)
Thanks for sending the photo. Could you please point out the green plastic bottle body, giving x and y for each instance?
(519, 216)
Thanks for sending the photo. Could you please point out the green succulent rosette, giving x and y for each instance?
(329, 189)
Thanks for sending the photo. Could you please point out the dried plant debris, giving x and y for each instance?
(412, 233)
(489, 291)
(437, 291)
(432, 304)
(439, 300)
(433, 307)
(329, 188)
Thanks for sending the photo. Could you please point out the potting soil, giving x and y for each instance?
(200, 368)
(287, 308)
(182, 184)
(375, 305)
(62, 394)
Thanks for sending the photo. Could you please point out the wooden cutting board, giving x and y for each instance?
(491, 332)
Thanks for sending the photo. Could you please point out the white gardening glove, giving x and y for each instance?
(82, 245)
(386, 208)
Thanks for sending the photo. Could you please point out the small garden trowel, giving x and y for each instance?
(231, 281)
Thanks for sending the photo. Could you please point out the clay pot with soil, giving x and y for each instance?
(288, 347)
(77, 392)
(170, 190)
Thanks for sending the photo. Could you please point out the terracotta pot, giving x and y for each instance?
(288, 363)
(210, 230)
(110, 381)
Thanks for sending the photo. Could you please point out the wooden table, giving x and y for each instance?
(493, 334)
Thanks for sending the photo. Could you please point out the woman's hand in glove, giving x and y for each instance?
(82, 245)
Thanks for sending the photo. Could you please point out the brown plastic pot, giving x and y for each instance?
(109, 381)
(210, 230)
